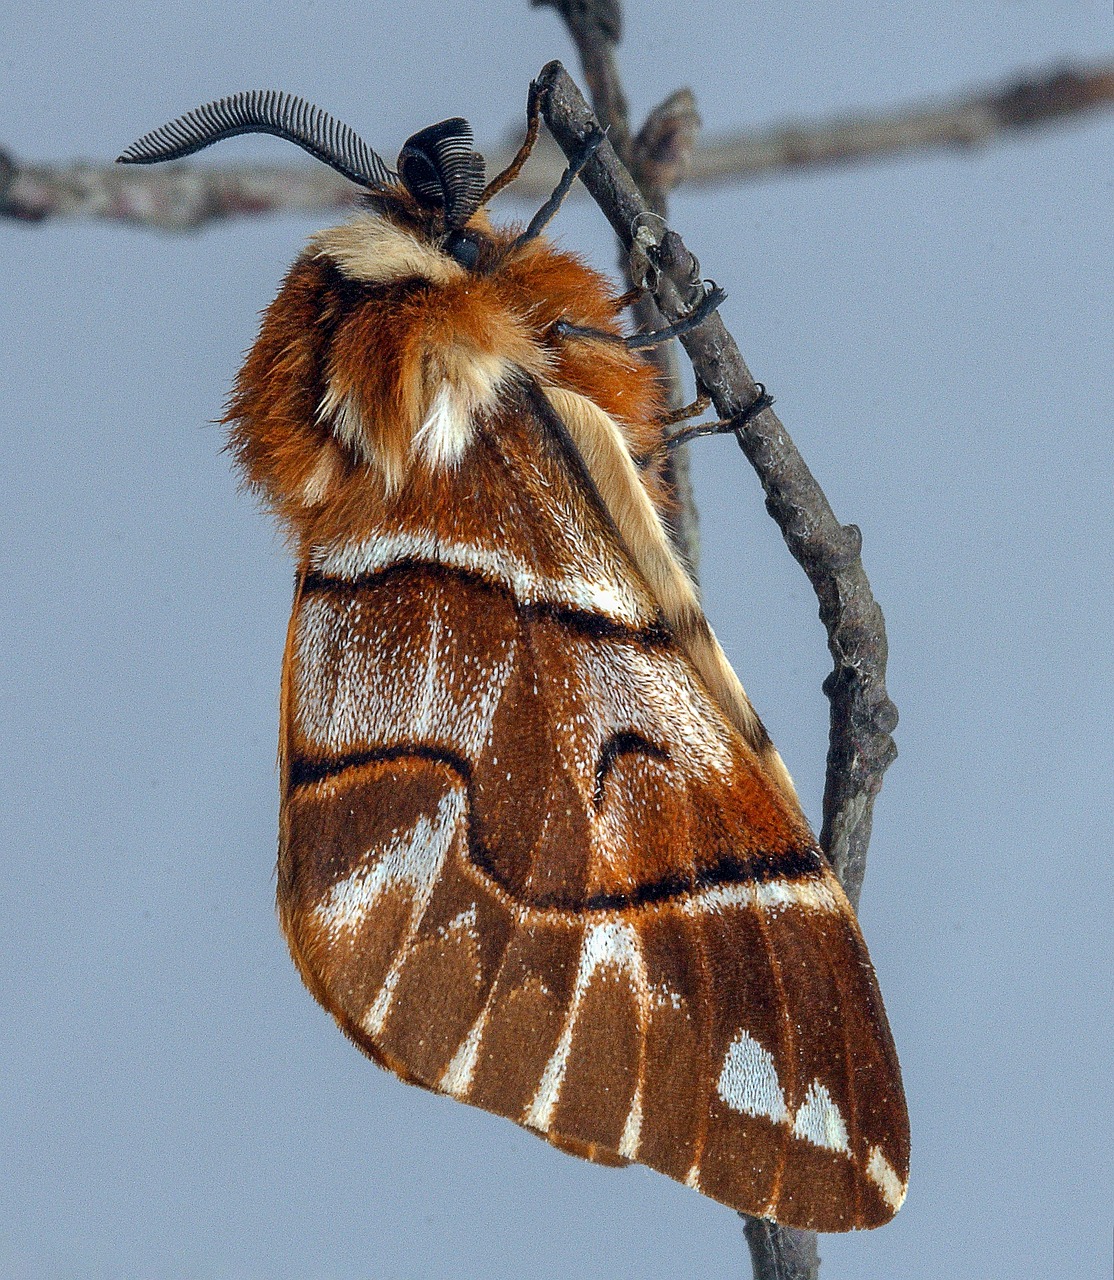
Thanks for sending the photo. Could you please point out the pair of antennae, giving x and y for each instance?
(437, 165)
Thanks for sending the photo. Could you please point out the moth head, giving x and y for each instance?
(437, 167)
(424, 238)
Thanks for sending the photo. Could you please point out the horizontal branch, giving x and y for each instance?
(974, 120)
(179, 197)
(182, 197)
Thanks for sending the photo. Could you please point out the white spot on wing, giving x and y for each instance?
(656, 695)
(885, 1178)
(348, 693)
(632, 1130)
(457, 1076)
(428, 686)
(381, 1005)
(809, 895)
(462, 922)
(806, 894)
(411, 862)
(749, 1081)
(820, 1121)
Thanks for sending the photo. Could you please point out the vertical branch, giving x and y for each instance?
(781, 1253)
(658, 158)
(596, 27)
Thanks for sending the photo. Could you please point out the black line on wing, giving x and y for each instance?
(754, 868)
(758, 867)
(304, 770)
(625, 743)
(582, 621)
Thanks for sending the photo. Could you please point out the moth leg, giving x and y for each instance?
(533, 122)
(548, 211)
(762, 401)
(713, 298)
(694, 410)
(566, 328)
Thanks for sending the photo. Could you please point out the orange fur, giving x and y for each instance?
(382, 349)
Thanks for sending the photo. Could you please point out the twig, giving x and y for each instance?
(657, 159)
(176, 198)
(660, 157)
(781, 1253)
(979, 118)
(596, 27)
(862, 716)
(662, 154)
(188, 196)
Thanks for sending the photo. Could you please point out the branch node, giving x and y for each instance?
(1062, 93)
(885, 719)
(661, 154)
(853, 541)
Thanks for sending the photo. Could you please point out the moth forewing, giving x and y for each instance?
(536, 849)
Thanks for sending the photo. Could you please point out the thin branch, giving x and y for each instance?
(596, 27)
(657, 159)
(187, 196)
(180, 197)
(662, 153)
(660, 157)
(977, 119)
(862, 716)
(781, 1253)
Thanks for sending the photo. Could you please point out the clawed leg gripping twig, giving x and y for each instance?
(712, 300)
(763, 400)
(548, 211)
(533, 123)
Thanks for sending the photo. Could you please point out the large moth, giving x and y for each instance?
(536, 849)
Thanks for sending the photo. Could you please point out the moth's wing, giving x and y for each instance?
(526, 861)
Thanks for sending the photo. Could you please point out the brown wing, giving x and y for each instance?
(526, 860)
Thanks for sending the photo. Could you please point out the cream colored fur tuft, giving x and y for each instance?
(325, 470)
(599, 438)
(375, 250)
(447, 430)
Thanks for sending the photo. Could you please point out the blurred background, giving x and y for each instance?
(937, 331)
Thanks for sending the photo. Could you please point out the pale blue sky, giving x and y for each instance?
(937, 332)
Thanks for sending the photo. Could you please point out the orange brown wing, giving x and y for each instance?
(526, 860)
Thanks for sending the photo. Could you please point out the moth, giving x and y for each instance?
(537, 851)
